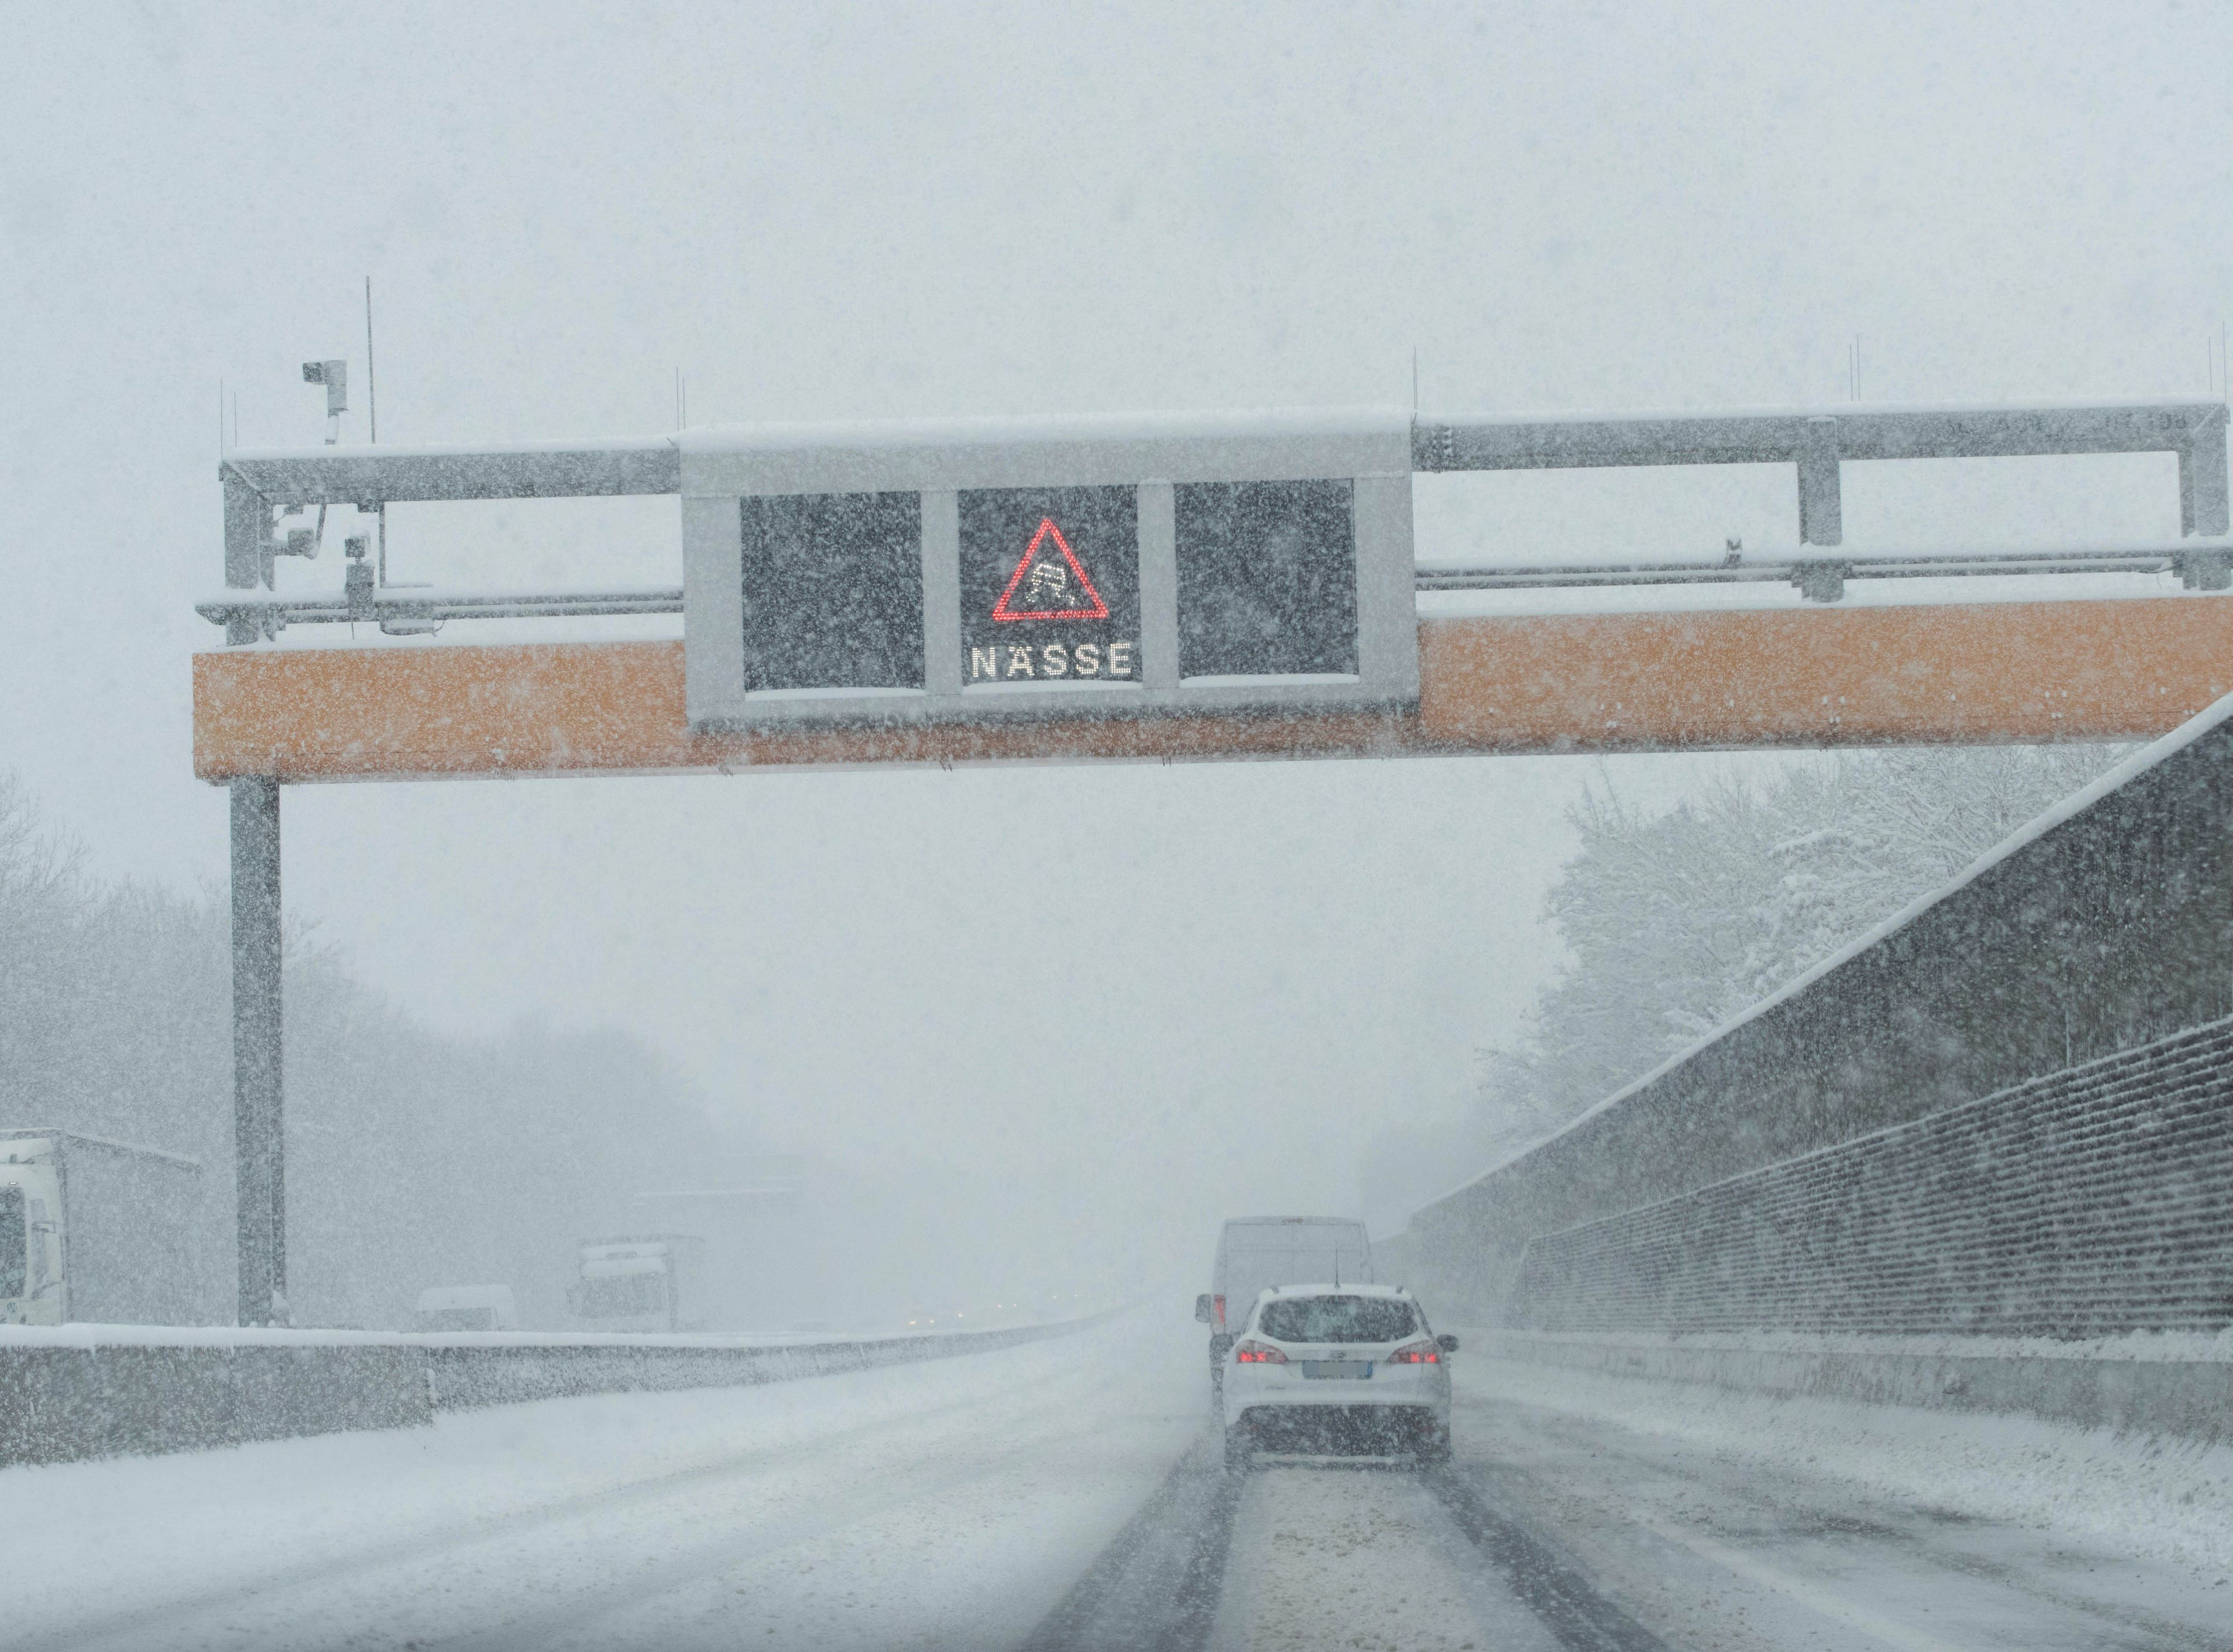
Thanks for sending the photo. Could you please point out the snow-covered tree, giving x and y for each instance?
(414, 1159)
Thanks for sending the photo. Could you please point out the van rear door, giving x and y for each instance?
(1289, 1250)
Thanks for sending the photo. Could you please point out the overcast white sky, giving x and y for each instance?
(846, 210)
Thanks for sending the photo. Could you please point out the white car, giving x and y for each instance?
(1325, 1370)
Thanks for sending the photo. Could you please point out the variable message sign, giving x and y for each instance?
(1267, 579)
(832, 589)
(1065, 607)
(1085, 568)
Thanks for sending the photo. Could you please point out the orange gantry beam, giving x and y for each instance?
(1971, 673)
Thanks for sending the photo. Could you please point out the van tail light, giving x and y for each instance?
(1217, 1307)
(1253, 1352)
(1416, 1354)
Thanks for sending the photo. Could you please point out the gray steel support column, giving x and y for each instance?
(1159, 584)
(1821, 505)
(259, 1153)
(247, 562)
(941, 591)
(713, 607)
(2202, 480)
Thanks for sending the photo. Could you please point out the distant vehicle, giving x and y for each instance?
(642, 1282)
(465, 1307)
(1325, 1370)
(1254, 1251)
(97, 1230)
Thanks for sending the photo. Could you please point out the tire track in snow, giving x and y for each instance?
(1156, 1587)
(1547, 1582)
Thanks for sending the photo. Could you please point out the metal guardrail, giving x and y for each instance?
(1819, 576)
(371, 477)
(1788, 435)
(405, 611)
(1817, 441)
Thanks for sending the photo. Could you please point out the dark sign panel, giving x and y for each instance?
(1050, 585)
(833, 591)
(1267, 578)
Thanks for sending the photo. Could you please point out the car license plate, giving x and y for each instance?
(1350, 1367)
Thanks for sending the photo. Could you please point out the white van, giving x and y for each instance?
(1256, 1253)
(466, 1307)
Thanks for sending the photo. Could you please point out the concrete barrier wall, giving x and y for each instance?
(61, 1402)
(2189, 1397)
(458, 1377)
(80, 1391)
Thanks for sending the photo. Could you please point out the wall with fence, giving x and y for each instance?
(2103, 928)
(2086, 1204)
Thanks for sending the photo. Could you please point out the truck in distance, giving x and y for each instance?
(101, 1231)
(644, 1282)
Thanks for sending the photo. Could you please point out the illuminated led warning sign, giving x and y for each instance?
(1050, 586)
(1053, 590)
(1043, 570)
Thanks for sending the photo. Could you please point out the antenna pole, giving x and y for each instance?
(371, 377)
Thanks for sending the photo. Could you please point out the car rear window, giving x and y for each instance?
(1335, 1319)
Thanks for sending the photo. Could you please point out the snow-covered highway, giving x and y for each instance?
(1064, 1494)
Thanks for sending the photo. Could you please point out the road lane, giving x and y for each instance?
(1731, 1545)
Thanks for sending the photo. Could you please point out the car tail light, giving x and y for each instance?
(1253, 1352)
(1217, 1306)
(1416, 1354)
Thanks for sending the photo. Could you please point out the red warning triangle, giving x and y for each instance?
(1050, 588)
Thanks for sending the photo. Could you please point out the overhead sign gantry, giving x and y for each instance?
(1087, 568)
(1170, 586)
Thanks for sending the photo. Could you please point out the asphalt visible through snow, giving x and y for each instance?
(1306, 1554)
(1070, 1494)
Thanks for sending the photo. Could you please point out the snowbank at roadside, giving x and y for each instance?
(2152, 1496)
